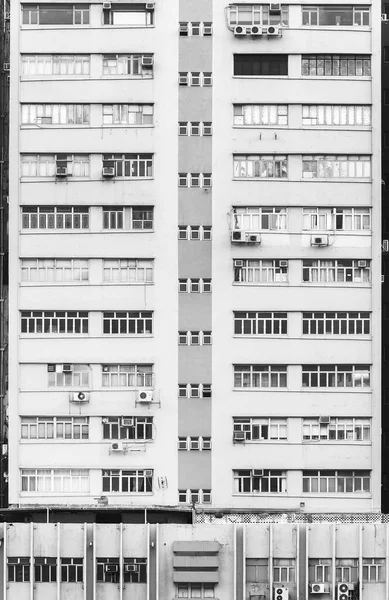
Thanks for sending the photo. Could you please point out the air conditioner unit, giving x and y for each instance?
(183, 80)
(145, 396)
(106, 6)
(255, 30)
(283, 263)
(238, 264)
(385, 245)
(273, 30)
(150, 5)
(253, 238)
(319, 240)
(148, 472)
(325, 420)
(239, 31)
(116, 447)
(147, 61)
(343, 591)
(131, 568)
(79, 397)
(108, 171)
(275, 8)
(239, 436)
(257, 472)
(318, 588)
(127, 421)
(184, 28)
(111, 568)
(67, 368)
(280, 592)
(61, 171)
(238, 236)
(6, 67)
(362, 264)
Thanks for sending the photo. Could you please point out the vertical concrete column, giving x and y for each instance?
(239, 555)
(58, 527)
(302, 562)
(121, 562)
(152, 562)
(334, 530)
(89, 562)
(32, 570)
(360, 563)
(3, 559)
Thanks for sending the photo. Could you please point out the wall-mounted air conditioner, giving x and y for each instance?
(79, 397)
(145, 396)
(239, 436)
(273, 30)
(240, 31)
(319, 241)
(116, 447)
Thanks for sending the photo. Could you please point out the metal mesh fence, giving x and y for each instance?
(220, 517)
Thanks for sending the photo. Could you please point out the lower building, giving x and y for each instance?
(284, 561)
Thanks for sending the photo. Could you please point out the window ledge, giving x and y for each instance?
(283, 179)
(259, 494)
(263, 389)
(365, 28)
(336, 442)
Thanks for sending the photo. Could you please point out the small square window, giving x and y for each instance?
(183, 79)
(207, 180)
(195, 128)
(207, 390)
(207, 128)
(183, 338)
(207, 285)
(207, 79)
(182, 286)
(182, 443)
(206, 497)
(195, 28)
(194, 443)
(195, 79)
(207, 29)
(182, 128)
(182, 496)
(182, 391)
(182, 233)
(207, 338)
(195, 338)
(183, 180)
(206, 445)
(194, 390)
(195, 180)
(184, 29)
(195, 233)
(207, 233)
(195, 286)
(194, 497)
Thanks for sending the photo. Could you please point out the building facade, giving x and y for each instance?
(262, 562)
(195, 259)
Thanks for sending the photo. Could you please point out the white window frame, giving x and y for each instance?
(358, 13)
(337, 219)
(333, 481)
(335, 271)
(254, 484)
(284, 570)
(75, 322)
(134, 166)
(260, 115)
(55, 65)
(261, 429)
(258, 323)
(120, 115)
(69, 375)
(259, 218)
(130, 271)
(142, 429)
(336, 323)
(335, 65)
(268, 271)
(342, 166)
(194, 390)
(45, 165)
(54, 428)
(260, 166)
(256, 14)
(192, 496)
(336, 376)
(128, 375)
(126, 65)
(336, 115)
(71, 481)
(54, 270)
(340, 429)
(373, 570)
(137, 477)
(248, 376)
(43, 115)
(52, 218)
(134, 320)
(195, 286)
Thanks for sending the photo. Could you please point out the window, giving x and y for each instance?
(194, 443)
(134, 481)
(128, 270)
(339, 219)
(55, 14)
(330, 376)
(257, 429)
(336, 167)
(265, 65)
(336, 115)
(255, 14)
(347, 570)
(18, 568)
(46, 481)
(195, 180)
(249, 481)
(140, 218)
(373, 569)
(45, 165)
(128, 114)
(257, 570)
(194, 338)
(55, 217)
(127, 428)
(260, 167)
(107, 570)
(45, 569)
(338, 482)
(284, 570)
(68, 375)
(329, 16)
(260, 323)
(55, 270)
(127, 375)
(129, 65)
(194, 497)
(195, 590)
(260, 271)
(55, 64)
(128, 323)
(195, 29)
(335, 65)
(336, 271)
(319, 570)
(195, 232)
(58, 322)
(192, 128)
(338, 429)
(187, 286)
(195, 79)
(260, 376)
(49, 428)
(138, 166)
(258, 218)
(336, 323)
(194, 390)
(135, 570)
(128, 14)
(55, 114)
(72, 570)
(247, 115)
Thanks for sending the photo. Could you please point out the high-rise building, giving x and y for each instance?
(195, 255)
